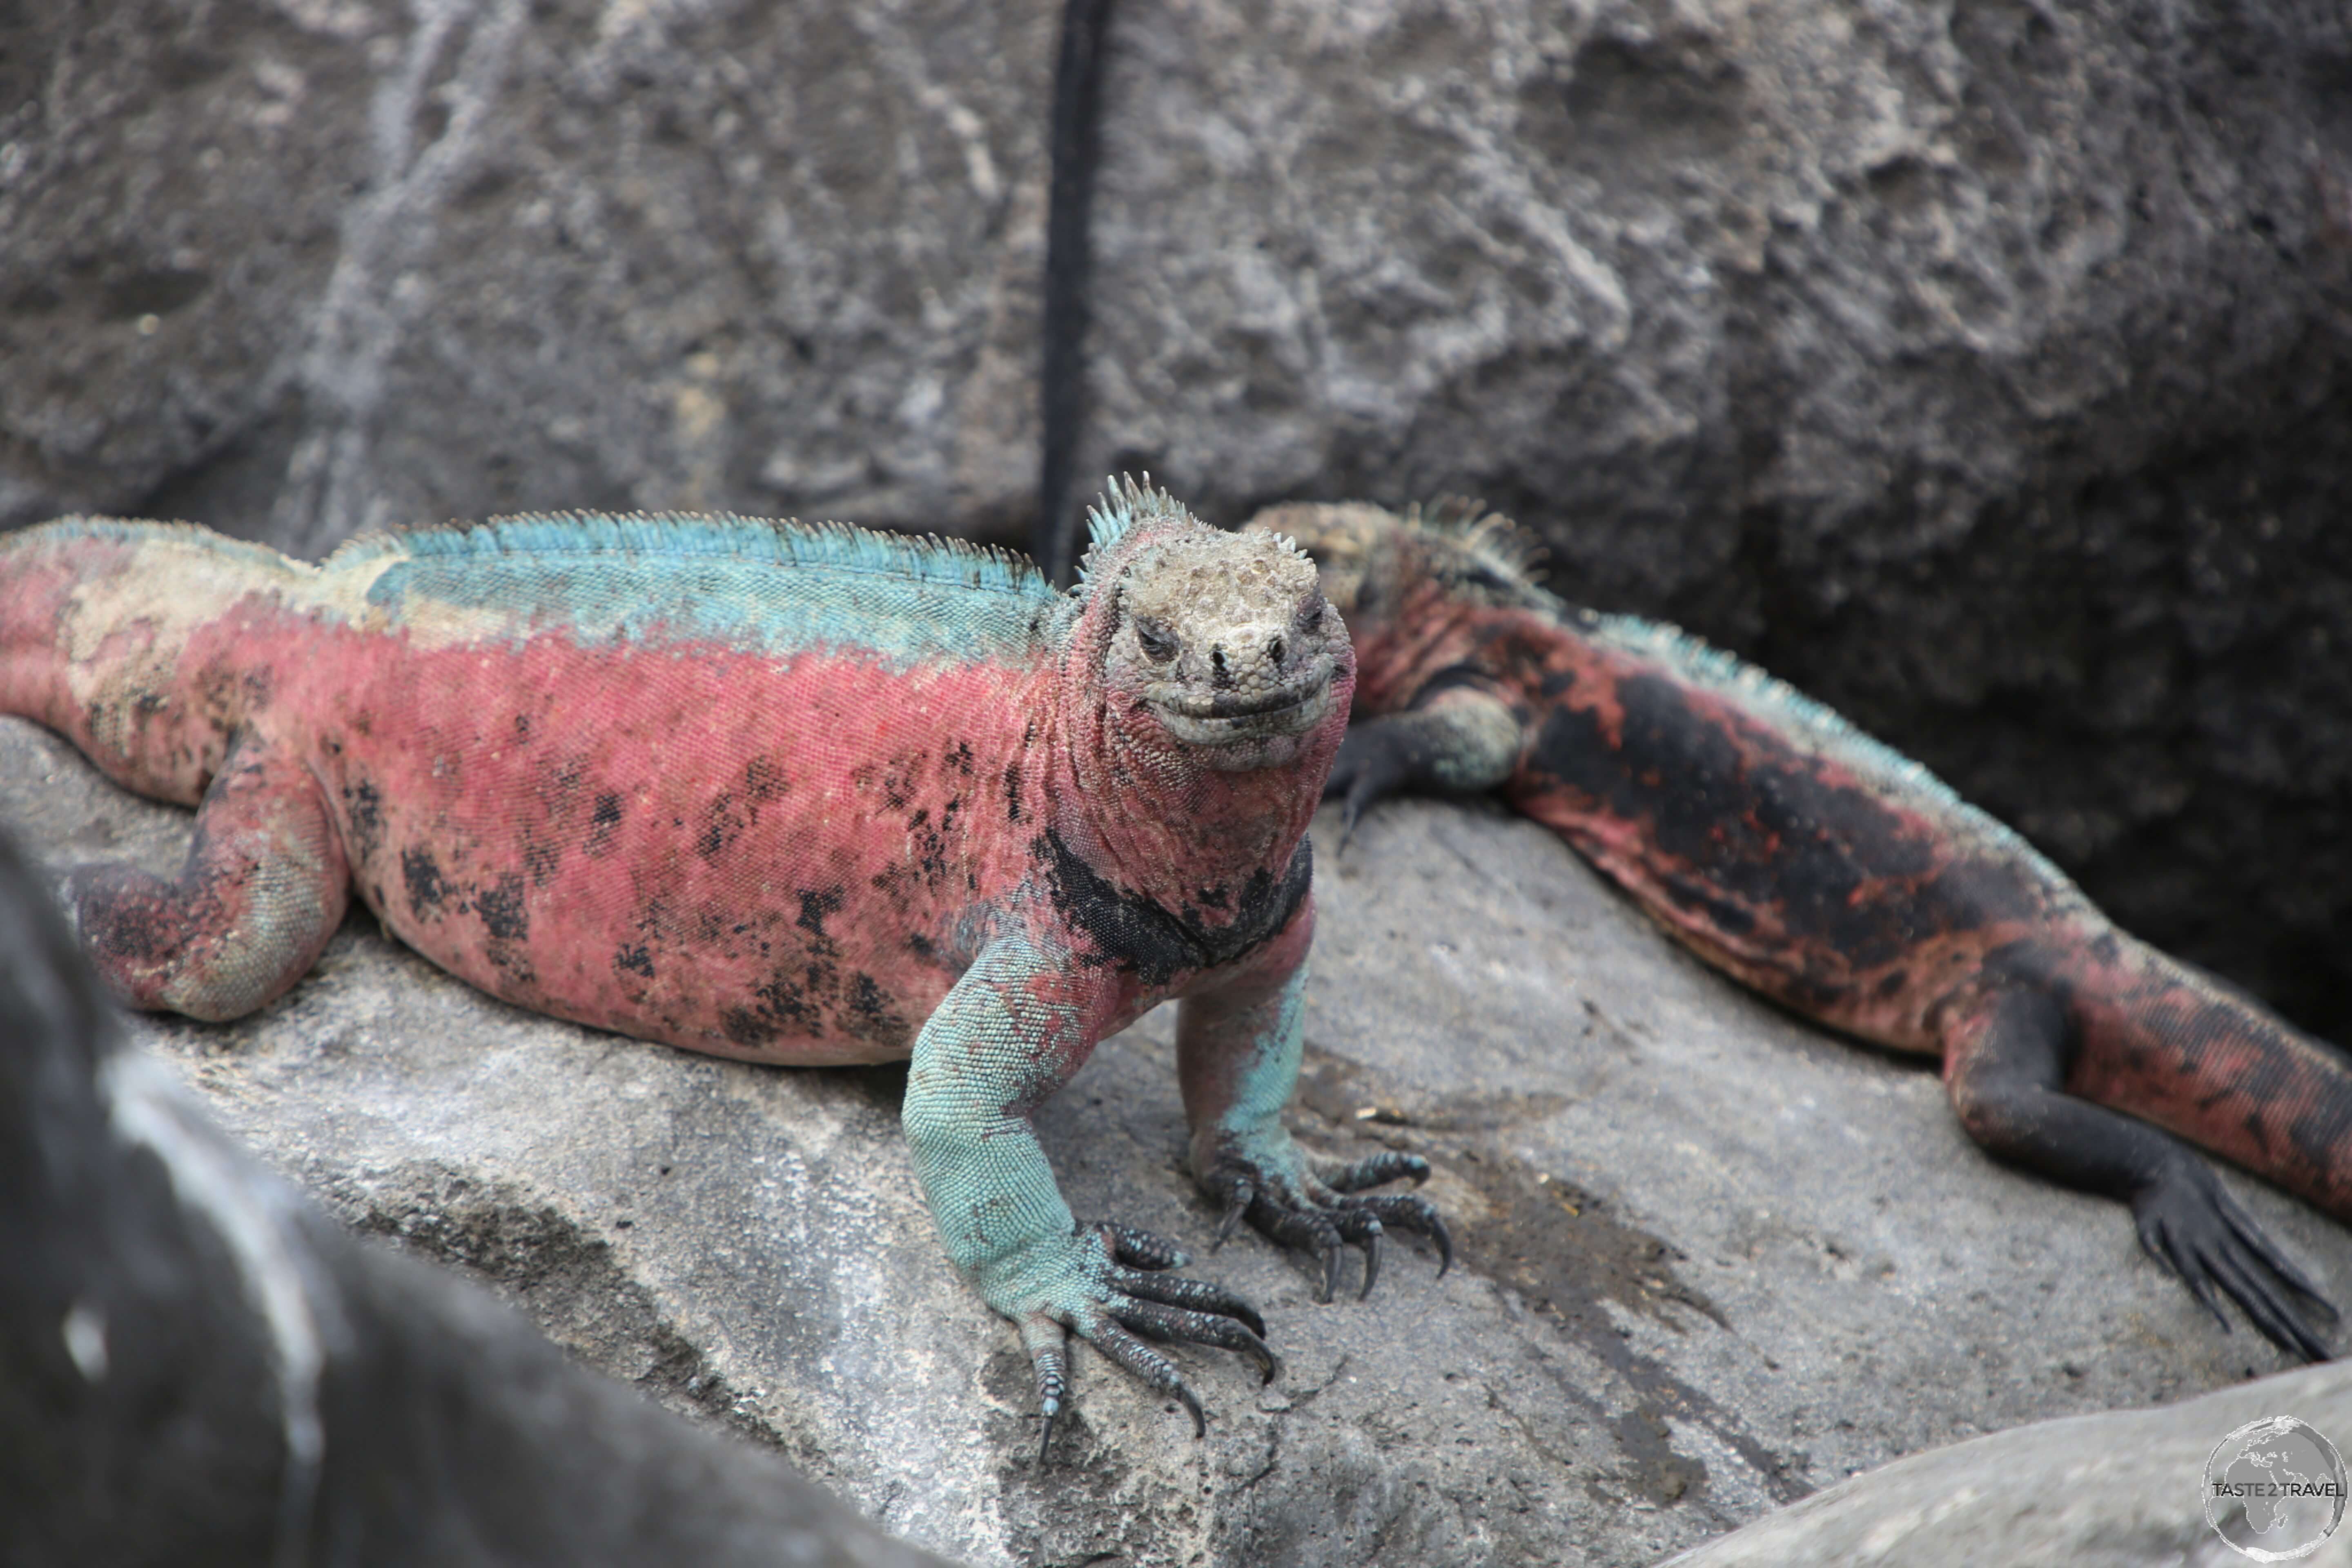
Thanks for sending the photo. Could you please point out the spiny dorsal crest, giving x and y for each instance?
(1479, 549)
(831, 546)
(1125, 503)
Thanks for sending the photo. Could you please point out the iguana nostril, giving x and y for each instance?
(1274, 651)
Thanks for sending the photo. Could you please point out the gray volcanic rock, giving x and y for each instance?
(295, 267)
(1712, 1259)
(1981, 366)
(2126, 1491)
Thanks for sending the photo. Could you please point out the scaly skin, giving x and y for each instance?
(790, 795)
(1841, 879)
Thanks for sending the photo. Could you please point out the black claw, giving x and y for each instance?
(2271, 1317)
(1238, 1198)
(1151, 1367)
(1369, 766)
(1193, 1402)
(2188, 1222)
(2278, 1262)
(1351, 814)
(1418, 1215)
(2161, 1244)
(1371, 1262)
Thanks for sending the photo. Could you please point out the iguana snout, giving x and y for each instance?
(1228, 640)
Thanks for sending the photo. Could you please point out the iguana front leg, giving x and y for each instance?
(1458, 739)
(1238, 1048)
(1009, 1034)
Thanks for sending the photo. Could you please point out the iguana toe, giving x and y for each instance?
(1238, 1192)
(1176, 1325)
(1364, 771)
(1378, 1170)
(1193, 1295)
(1151, 1368)
(1108, 1283)
(1321, 1215)
(1407, 1211)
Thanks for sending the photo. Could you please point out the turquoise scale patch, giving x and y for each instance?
(746, 583)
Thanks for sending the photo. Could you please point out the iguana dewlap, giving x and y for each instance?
(787, 794)
(1841, 879)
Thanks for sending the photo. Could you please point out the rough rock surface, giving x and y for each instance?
(1712, 1259)
(2125, 1490)
(300, 266)
(197, 1365)
(1979, 365)
(1982, 366)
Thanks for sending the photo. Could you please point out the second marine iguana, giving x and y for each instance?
(1843, 881)
(792, 794)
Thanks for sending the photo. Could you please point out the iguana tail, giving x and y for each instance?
(2174, 1047)
(111, 632)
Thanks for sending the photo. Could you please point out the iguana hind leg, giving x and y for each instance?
(2005, 1066)
(265, 885)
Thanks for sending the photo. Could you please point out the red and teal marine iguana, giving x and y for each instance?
(792, 794)
(1841, 881)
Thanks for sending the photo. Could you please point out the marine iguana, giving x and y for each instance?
(792, 794)
(1841, 879)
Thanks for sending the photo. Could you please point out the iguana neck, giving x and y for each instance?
(1404, 638)
(1149, 816)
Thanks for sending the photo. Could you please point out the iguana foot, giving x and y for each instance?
(1318, 1212)
(1375, 762)
(2191, 1224)
(1107, 1284)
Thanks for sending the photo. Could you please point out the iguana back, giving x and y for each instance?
(697, 779)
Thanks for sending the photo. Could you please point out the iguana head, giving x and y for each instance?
(1223, 643)
(1370, 559)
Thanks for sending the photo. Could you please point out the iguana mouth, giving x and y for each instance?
(1226, 716)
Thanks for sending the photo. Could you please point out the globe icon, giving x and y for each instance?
(2274, 1490)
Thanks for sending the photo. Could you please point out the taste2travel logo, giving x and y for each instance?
(2274, 1490)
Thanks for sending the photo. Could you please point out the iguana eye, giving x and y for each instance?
(1310, 610)
(1158, 641)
